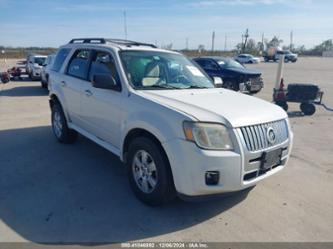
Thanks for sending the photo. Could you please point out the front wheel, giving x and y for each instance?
(231, 85)
(149, 172)
(60, 127)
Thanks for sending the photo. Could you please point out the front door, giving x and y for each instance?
(101, 109)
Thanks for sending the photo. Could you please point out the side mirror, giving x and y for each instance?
(105, 81)
(218, 81)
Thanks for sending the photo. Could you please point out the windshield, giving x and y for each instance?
(160, 70)
(40, 60)
(229, 63)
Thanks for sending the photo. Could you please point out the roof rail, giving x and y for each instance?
(129, 43)
(114, 41)
(88, 40)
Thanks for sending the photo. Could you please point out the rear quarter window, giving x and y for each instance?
(60, 58)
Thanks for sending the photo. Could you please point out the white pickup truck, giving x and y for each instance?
(161, 114)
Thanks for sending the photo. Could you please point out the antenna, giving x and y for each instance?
(125, 25)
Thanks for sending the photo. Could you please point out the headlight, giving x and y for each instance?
(208, 135)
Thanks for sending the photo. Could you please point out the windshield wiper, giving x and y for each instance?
(164, 86)
(196, 87)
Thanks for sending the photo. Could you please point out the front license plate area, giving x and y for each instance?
(270, 159)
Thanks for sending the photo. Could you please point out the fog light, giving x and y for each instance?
(212, 177)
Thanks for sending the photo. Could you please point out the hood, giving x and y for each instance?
(218, 105)
(244, 70)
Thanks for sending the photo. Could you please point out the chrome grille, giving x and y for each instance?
(255, 136)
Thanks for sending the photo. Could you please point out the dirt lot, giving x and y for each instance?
(51, 192)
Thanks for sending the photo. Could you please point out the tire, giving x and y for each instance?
(250, 62)
(255, 92)
(60, 127)
(44, 85)
(308, 109)
(231, 85)
(4, 79)
(152, 185)
(282, 104)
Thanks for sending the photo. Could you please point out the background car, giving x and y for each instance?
(44, 76)
(34, 65)
(234, 75)
(247, 58)
(288, 56)
(274, 54)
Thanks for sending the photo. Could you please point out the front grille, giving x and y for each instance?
(255, 136)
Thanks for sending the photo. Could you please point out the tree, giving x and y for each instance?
(275, 42)
(201, 48)
(167, 46)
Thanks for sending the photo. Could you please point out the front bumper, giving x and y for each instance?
(238, 170)
(252, 85)
(36, 73)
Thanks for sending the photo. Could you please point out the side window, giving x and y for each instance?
(60, 58)
(210, 65)
(200, 62)
(103, 63)
(79, 63)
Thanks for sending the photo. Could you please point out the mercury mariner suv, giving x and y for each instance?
(162, 115)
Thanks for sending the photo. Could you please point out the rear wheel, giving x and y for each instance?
(60, 127)
(149, 172)
(308, 109)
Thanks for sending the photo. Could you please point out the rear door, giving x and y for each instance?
(76, 74)
(101, 109)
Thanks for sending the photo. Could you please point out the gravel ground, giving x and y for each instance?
(51, 192)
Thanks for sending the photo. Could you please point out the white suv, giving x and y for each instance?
(162, 115)
(34, 65)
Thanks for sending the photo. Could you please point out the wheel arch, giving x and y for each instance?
(140, 132)
(55, 99)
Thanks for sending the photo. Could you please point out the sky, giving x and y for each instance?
(53, 23)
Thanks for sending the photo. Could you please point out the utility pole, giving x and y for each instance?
(246, 36)
(291, 40)
(213, 41)
(225, 42)
(242, 43)
(125, 25)
(186, 43)
(262, 43)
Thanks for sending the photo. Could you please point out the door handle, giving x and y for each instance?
(63, 83)
(88, 93)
